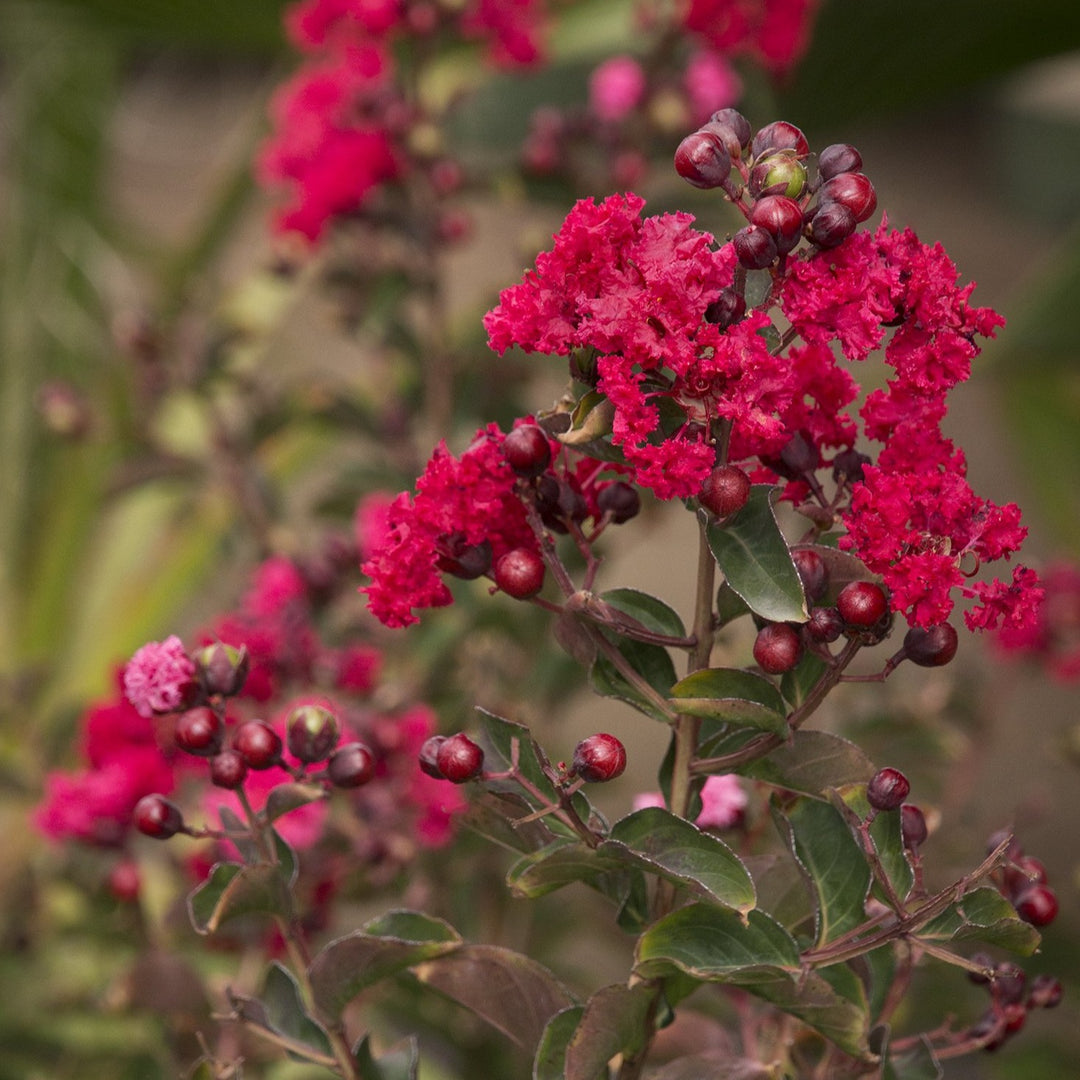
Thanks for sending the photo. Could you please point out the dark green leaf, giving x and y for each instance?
(651, 662)
(717, 945)
(782, 891)
(833, 861)
(550, 1060)
(232, 890)
(401, 1062)
(651, 612)
(566, 862)
(878, 972)
(285, 1012)
(812, 762)
(615, 1020)
(512, 992)
(385, 946)
(983, 915)
(754, 557)
(287, 797)
(733, 696)
(729, 605)
(815, 1001)
(677, 850)
(493, 813)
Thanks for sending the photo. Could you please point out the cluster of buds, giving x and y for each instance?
(1022, 881)
(765, 175)
(1012, 997)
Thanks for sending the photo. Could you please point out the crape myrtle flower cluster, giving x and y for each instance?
(261, 701)
(344, 125)
(1053, 637)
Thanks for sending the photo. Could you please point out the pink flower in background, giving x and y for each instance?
(644, 799)
(160, 677)
(1052, 636)
(711, 83)
(723, 801)
(616, 88)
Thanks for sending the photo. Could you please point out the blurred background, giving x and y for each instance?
(132, 227)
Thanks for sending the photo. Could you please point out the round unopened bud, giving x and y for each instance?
(852, 190)
(1037, 905)
(725, 490)
(887, 789)
(838, 158)
(520, 573)
(528, 450)
(862, 604)
(932, 646)
(781, 218)
(228, 769)
(778, 174)
(156, 816)
(351, 765)
(222, 668)
(599, 758)
(258, 743)
(461, 559)
(755, 247)
(913, 828)
(736, 122)
(825, 624)
(777, 648)
(829, 224)
(459, 759)
(200, 732)
(813, 572)
(779, 135)
(312, 733)
(728, 308)
(702, 160)
(1008, 983)
(428, 758)
(619, 499)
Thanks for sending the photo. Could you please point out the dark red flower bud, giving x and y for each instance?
(528, 450)
(755, 247)
(852, 190)
(312, 733)
(887, 789)
(825, 625)
(351, 765)
(702, 160)
(599, 758)
(913, 826)
(1008, 983)
(736, 122)
(258, 743)
(428, 757)
(125, 881)
(520, 573)
(829, 224)
(812, 571)
(932, 646)
(781, 218)
(725, 490)
(1025, 872)
(222, 668)
(862, 604)
(728, 308)
(461, 559)
(459, 759)
(779, 135)
(1046, 992)
(777, 648)
(200, 732)
(228, 769)
(838, 158)
(1037, 905)
(619, 499)
(155, 816)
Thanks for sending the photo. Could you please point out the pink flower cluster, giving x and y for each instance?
(1052, 637)
(340, 121)
(773, 32)
(636, 292)
(128, 751)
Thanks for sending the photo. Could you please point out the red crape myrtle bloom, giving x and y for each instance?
(1053, 636)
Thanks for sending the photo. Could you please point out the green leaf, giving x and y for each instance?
(512, 992)
(385, 946)
(550, 1060)
(714, 944)
(677, 850)
(835, 866)
(733, 696)
(651, 662)
(651, 612)
(614, 1021)
(983, 915)
(815, 1001)
(493, 813)
(878, 970)
(564, 863)
(812, 762)
(888, 839)
(285, 1012)
(797, 683)
(400, 1062)
(729, 605)
(754, 557)
(232, 890)
(287, 797)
